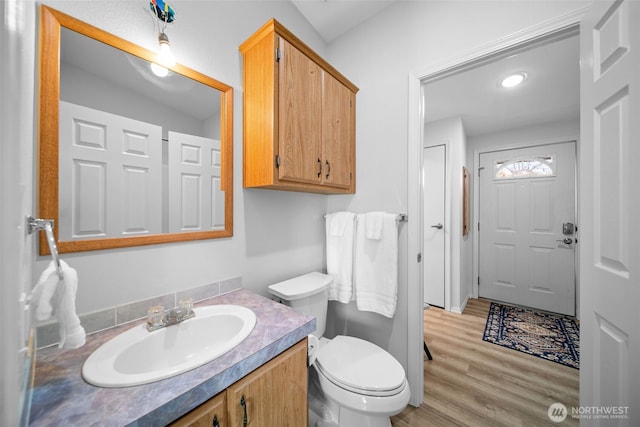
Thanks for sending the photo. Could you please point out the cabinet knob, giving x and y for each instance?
(215, 421)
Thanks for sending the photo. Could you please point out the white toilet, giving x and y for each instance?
(352, 382)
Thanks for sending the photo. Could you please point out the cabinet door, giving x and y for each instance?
(337, 133)
(273, 395)
(299, 116)
(208, 414)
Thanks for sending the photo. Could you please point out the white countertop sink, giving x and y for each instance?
(138, 356)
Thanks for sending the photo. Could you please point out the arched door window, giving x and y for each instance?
(536, 167)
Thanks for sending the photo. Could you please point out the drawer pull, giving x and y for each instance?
(243, 403)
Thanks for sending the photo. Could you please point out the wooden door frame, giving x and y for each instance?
(569, 22)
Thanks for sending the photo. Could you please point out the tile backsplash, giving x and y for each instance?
(47, 333)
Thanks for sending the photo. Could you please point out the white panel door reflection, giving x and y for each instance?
(196, 201)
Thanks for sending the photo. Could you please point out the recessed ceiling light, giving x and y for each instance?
(513, 80)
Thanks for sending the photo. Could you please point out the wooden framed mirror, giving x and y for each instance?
(127, 158)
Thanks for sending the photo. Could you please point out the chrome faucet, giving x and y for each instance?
(158, 317)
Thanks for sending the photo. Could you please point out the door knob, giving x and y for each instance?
(438, 226)
(566, 240)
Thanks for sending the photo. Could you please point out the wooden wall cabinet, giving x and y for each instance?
(298, 114)
(275, 394)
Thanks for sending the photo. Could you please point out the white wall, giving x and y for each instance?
(450, 132)
(543, 133)
(82, 88)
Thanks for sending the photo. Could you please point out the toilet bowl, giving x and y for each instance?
(357, 384)
(352, 382)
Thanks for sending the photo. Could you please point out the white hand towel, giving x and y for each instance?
(373, 221)
(376, 267)
(43, 292)
(59, 295)
(340, 231)
(337, 222)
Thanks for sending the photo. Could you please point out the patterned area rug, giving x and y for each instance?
(548, 336)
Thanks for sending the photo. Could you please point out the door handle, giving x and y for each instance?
(566, 240)
(438, 226)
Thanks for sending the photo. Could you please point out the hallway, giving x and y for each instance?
(470, 382)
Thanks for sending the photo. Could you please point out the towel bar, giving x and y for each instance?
(37, 224)
(400, 217)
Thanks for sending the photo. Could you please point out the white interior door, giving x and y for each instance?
(433, 176)
(610, 208)
(196, 201)
(18, 41)
(527, 254)
(110, 177)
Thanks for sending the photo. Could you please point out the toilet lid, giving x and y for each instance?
(360, 366)
(301, 286)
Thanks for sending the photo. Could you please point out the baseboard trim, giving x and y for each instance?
(459, 310)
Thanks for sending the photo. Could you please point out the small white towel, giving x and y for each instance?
(58, 296)
(340, 228)
(376, 267)
(373, 223)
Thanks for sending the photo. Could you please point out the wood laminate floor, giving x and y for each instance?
(471, 382)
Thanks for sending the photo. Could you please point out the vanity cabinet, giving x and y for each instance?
(212, 413)
(275, 394)
(299, 116)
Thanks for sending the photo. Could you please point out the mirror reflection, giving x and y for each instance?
(141, 159)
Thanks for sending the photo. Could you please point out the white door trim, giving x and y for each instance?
(558, 26)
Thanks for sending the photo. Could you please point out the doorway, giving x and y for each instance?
(561, 27)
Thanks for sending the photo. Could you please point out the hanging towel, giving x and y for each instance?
(376, 266)
(340, 231)
(58, 296)
(373, 224)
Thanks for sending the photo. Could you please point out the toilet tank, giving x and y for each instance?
(306, 294)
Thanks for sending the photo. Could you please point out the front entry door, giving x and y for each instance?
(433, 176)
(527, 227)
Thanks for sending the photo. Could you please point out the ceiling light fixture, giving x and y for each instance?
(166, 58)
(513, 80)
(165, 55)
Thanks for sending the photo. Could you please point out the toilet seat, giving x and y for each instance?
(360, 367)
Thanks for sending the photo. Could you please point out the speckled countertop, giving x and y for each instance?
(62, 398)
